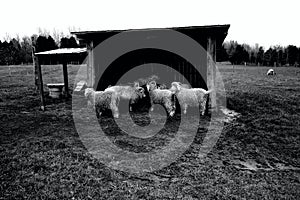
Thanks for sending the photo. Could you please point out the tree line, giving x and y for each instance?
(17, 51)
(276, 56)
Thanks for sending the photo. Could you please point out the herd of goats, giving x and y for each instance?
(158, 94)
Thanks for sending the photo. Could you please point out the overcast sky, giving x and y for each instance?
(254, 21)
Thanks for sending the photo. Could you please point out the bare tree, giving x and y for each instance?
(43, 32)
(7, 37)
(57, 35)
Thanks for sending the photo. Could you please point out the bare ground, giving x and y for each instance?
(256, 157)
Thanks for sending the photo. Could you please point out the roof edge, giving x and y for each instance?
(62, 51)
(224, 26)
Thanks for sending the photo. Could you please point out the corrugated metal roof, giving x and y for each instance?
(62, 51)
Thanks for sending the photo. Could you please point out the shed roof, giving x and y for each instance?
(208, 28)
(62, 51)
(198, 33)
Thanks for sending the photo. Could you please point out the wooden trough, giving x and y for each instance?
(56, 90)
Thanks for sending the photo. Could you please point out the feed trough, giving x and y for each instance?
(55, 90)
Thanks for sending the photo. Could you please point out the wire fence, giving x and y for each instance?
(24, 74)
(16, 70)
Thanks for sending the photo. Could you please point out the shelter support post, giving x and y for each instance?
(211, 70)
(34, 57)
(65, 74)
(39, 80)
(90, 65)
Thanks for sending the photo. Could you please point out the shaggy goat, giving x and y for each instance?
(101, 100)
(127, 93)
(190, 97)
(164, 97)
(270, 72)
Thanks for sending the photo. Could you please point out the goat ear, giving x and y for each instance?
(179, 86)
(152, 83)
(176, 85)
(173, 85)
(141, 90)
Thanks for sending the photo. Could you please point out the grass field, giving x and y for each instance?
(256, 157)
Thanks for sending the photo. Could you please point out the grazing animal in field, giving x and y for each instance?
(271, 72)
(127, 93)
(164, 97)
(101, 100)
(190, 97)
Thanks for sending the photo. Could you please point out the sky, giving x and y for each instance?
(265, 22)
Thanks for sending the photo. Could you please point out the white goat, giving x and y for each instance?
(127, 93)
(164, 97)
(270, 72)
(190, 97)
(102, 100)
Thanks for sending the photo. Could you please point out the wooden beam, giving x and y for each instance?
(90, 65)
(66, 82)
(211, 70)
(40, 81)
(36, 75)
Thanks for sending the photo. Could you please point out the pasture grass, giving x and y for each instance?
(256, 157)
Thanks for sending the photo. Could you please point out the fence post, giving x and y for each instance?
(38, 80)
(35, 67)
(90, 64)
(211, 70)
(9, 73)
(65, 73)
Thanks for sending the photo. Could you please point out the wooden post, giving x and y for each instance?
(9, 73)
(90, 65)
(40, 81)
(65, 73)
(211, 70)
(34, 61)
